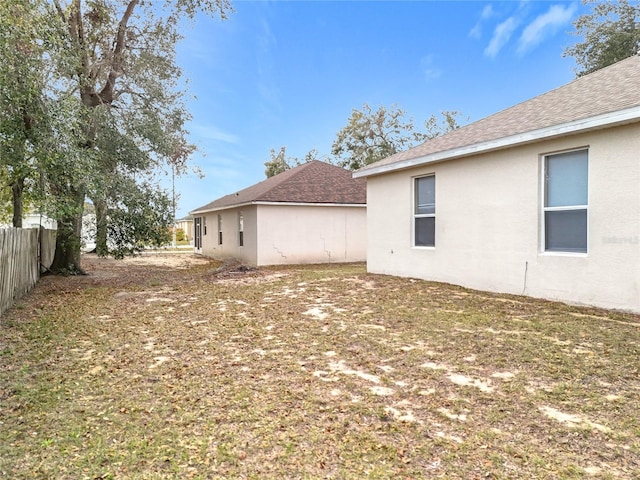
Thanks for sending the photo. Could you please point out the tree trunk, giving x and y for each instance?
(16, 191)
(68, 239)
(102, 248)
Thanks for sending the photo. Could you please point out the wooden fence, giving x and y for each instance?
(23, 253)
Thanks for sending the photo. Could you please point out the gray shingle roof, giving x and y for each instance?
(611, 89)
(312, 182)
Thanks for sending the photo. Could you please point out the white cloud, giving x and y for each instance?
(266, 39)
(545, 25)
(487, 13)
(501, 36)
(265, 79)
(210, 132)
(428, 68)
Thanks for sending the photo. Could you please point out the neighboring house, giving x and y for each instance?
(541, 199)
(35, 220)
(313, 213)
(89, 226)
(186, 225)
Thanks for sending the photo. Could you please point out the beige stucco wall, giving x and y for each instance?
(488, 220)
(230, 247)
(291, 234)
(288, 234)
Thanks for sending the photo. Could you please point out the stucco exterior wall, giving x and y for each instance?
(187, 227)
(293, 234)
(488, 223)
(230, 247)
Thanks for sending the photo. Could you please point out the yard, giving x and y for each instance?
(165, 367)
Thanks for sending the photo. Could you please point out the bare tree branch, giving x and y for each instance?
(106, 95)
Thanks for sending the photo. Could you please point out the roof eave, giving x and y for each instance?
(265, 202)
(312, 204)
(223, 207)
(606, 120)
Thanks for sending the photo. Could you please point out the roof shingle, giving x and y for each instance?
(312, 182)
(611, 89)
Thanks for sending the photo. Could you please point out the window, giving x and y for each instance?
(219, 229)
(425, 211)
(197, 232)
(240, 229)
(204, 225)
(565, 202)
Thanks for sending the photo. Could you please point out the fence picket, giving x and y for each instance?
(20, 261)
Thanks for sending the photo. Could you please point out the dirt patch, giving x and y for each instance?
(171, 260)
(234, 271)
(169, 366)
(141, 266)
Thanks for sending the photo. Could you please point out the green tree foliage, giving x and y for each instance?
(435, 126)
(140, 218)
(119, 59)
(90, 105)
(370, 136)
(6, 207)
(280, 162)
(67, 168)
(611, 33)
(22, 106)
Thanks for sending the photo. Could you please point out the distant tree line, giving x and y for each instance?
(369, 135)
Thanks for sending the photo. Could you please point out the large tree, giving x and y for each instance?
(119, 59)
(371, 135)
(22, 104)
(69, 167)
(611, 33)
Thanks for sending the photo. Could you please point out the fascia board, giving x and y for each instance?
(303, 204)
(297, 204)
(217, 209)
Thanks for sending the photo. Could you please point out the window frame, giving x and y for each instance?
(561, 208)
(240, 229)
(416, 215)
(197, 233)
(219, 229)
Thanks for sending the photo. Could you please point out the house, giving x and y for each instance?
(35, 220)
(38, 220)
(541, 199)
(186, 225)
(313, 213)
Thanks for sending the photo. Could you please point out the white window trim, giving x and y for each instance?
(240, 229)
(419, 215)
(543, 209)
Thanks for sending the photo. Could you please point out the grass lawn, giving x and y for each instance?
(149, 371)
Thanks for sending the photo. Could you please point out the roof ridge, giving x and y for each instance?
(564, 86)
(610, 89)
(315, 181)
(280, 179)
(276, 180)
(293, 174)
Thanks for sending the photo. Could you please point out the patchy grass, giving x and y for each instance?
(147, 372)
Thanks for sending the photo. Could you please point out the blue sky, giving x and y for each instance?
(289, 73)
